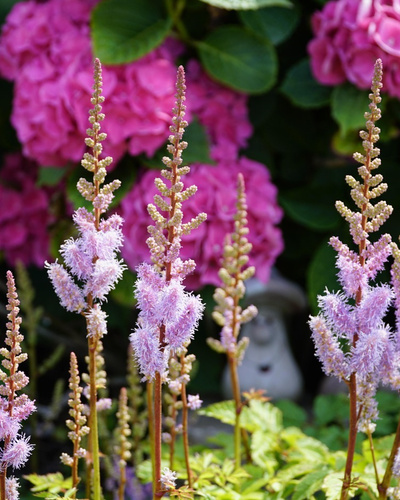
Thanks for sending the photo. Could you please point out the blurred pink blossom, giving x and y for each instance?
(350, 35)
(216, 196)
(45, 49)
(24, 212)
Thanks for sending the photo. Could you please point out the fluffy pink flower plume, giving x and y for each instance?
(217, 197)
(350, 333)
(168, 313)
(91, 263)
(45, 49)
(25, 215)
(349, 35)
(14, 407)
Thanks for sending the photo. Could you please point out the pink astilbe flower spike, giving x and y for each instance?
(91, 264)
(351, 337)
(168, 314)
(14, 407)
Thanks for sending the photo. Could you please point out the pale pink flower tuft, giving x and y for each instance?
(12, 485)
(9, 426)
(194, 402)
(70, 295)
(96, 322)
(17, 452)
(168, 479)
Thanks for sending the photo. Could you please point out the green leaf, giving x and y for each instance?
(247, 4)
(125, 30)
(321, 274)
(293, 414)
(223, 411)
(274, 23)
(348, 107)
(260, 415)
(300, 87)
(330, 408)
(54, 482)
(309, 484)
(309, 209)
(198, 150)
(239, 59)
(50, 176)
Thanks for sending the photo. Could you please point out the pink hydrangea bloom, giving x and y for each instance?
(220, 110)
(45, 49)
(349, 36)
(24, 212)
(216, 196)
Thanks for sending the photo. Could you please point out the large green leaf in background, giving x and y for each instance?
(247, 4)
(348, 107)
(302, 89)
(239, 59)
(309, 208)
(321, 274)
(125, 30)
(274, 23)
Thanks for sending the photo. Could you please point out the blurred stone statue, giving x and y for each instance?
(268, 362)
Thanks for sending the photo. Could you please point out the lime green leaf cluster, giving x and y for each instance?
(50, 484)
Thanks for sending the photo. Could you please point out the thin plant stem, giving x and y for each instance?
(173, 433)
(185, 435)
(150, 414)
(371, 446)
(122, 483)
(384, 485)
(93, 436)
(238, 408)
(157, 436)
(351, 446)
(3, 485)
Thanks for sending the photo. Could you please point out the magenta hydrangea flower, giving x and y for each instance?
(217, 197)
(45, 48)
(349, 36)
(222, 111)
(25, 216)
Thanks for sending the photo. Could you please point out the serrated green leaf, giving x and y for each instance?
(348, 107)
(247, 4)
(300, 87)
(274, 23)
(50, 176)
(239, 59)
(309, 484)
(260, 415)
(125, 30)
(223, 411)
